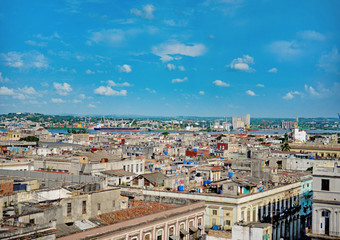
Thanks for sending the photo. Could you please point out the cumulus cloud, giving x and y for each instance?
(108, 91)
(179, 80)
(181, 68)
(57, 100)
(62, 88)
(220, 83)
(6, 91)
(171, 66)
(311, 35)
(170, 50)
(250, 93)
(259, 85)
(242, 64)
(330, 62)
(92, 105)
(146, 11)
(88, 71)
(114, 84)
(285, 50)
(273, 70)
(3, 79)
(150, 90)
(28, 90)
(124, 68)
(311, 90)
(290, 95)
(24, 60)
(201, 92)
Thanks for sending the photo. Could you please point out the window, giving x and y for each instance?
(171, 231)
(159, 235)
(325, 184)
(227, 222)
(199, 221)
(141, 167)
(242, 215)
(84, 207)
(69, 209)
(214, 221)
(32, 221)
(98, 205)
(124, 168)
(131, 167)
(113, 204)
(137, 167)
(214, 212)
(147, 236)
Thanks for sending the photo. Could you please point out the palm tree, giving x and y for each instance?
(285, 147)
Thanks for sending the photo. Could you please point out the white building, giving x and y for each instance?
(326, 202)
(299, 135)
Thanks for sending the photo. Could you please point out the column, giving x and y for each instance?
(278, 231)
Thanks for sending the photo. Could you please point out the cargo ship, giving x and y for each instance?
(133, 129)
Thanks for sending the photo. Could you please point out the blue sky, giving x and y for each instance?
(171, 58)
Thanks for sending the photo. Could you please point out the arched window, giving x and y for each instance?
(159, 235)
(171, 230)
(147, 236)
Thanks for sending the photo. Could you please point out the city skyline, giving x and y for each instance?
(198, 58)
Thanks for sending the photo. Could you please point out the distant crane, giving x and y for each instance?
(265, 124)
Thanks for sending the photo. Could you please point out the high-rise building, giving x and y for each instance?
(241, 122)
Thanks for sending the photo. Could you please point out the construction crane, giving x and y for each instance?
(265, 124)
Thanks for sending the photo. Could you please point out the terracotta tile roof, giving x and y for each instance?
(136, 209)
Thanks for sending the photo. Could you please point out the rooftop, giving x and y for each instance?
(136, 209)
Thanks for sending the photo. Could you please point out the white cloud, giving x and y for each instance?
(82, 96)
(62, 88)
(3, 79)
(170, 22)
(171, 66)
(290, 95)
(181, 68)
(179, 80)
(88, 71)
(311, 35)
(242, 64)
(108, 91)
(259, 85)
(57, 100)
(330, 62)
(146, 11)
(6, 91)
(34, 43)
(220, 83)
(124, 68)
(110, 36)
(311, 90)
(285, 50)
(114, 84)
(32, 59)
(201, 92)
(273, 70)
(169, 51)
(77, 101)
(250, 93)
(28, 90)
(150, 91)
(92, 105)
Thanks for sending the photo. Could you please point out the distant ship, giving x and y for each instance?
(134, 129)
